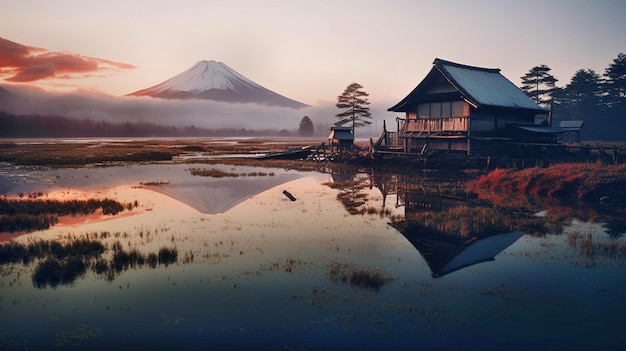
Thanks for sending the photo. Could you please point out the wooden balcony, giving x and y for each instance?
(428, 125)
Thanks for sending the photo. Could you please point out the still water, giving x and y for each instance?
(439, 269)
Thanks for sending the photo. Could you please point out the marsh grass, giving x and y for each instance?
(72, 154)
(27, 215)
(593, 247)
(582, 181)
(154, 183)
(62, 263)
(212, 172)
(74, 337)
(217, 173)
(365, 278)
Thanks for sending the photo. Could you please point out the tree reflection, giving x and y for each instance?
(352, 193)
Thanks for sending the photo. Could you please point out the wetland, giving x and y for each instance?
(206, 251)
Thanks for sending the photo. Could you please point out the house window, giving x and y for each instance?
(446, 109)
(442, 109)
(423, 111)
(458, 109)
(435, 110)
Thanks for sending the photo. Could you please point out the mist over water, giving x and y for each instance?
(179, 113)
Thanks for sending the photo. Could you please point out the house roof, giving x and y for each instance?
(571, 125)
(480, 87)
(541, 129)
(341, 133)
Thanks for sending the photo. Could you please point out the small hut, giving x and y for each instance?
(341, 136)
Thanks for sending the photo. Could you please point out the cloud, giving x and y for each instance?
(21, 64)
(119, 109)
(98, 106)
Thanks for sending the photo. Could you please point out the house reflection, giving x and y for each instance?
(443, 229)
(446, 224)
(445, 253)
(453, 227)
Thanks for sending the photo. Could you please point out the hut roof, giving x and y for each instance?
(341, 133)
(480, 87)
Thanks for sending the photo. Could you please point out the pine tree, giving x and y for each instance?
(615, 76)
(354, 103)
(540, 85)
(306, 126)
(584, 90)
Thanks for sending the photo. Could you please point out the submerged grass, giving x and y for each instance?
(62, 263)
(30, 214)
(212, 172)
(365, 278)
(218, 173)
(594, 247)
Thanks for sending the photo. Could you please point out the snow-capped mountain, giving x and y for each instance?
(212, 80)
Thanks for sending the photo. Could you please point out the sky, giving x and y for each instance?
(308, 50)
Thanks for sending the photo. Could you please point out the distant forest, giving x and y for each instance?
(38, 126)
(597, 99)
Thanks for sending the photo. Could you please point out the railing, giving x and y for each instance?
(443, 124)
(391, 139)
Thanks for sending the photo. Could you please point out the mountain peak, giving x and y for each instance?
(214, 80)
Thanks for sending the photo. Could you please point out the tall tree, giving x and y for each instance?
(540, 85)
(354, 103)
(615, 76)
(584, 90)
(306, 126)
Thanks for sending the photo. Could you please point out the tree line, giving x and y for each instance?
(47, 126)
(597, 99)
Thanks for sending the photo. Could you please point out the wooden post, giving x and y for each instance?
(289, 196)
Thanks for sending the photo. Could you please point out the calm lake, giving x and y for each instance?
(359, 261)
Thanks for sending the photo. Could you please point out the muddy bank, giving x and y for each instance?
(83, 152)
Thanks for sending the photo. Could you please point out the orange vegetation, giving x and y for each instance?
(582, 181)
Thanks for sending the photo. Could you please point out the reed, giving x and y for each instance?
(59, 263)
(36, 214)
(212, 172)
(366, 278)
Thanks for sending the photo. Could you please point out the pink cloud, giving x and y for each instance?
(23, 63)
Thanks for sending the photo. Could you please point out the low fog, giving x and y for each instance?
(97, 106)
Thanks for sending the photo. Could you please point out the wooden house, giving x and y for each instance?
(467, 109)
(341, 137)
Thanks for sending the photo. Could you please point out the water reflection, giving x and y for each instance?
(448, 253)
(325, 272)
(453, 228)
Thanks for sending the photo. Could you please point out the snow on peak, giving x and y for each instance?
(206, 75)
(212, 80)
